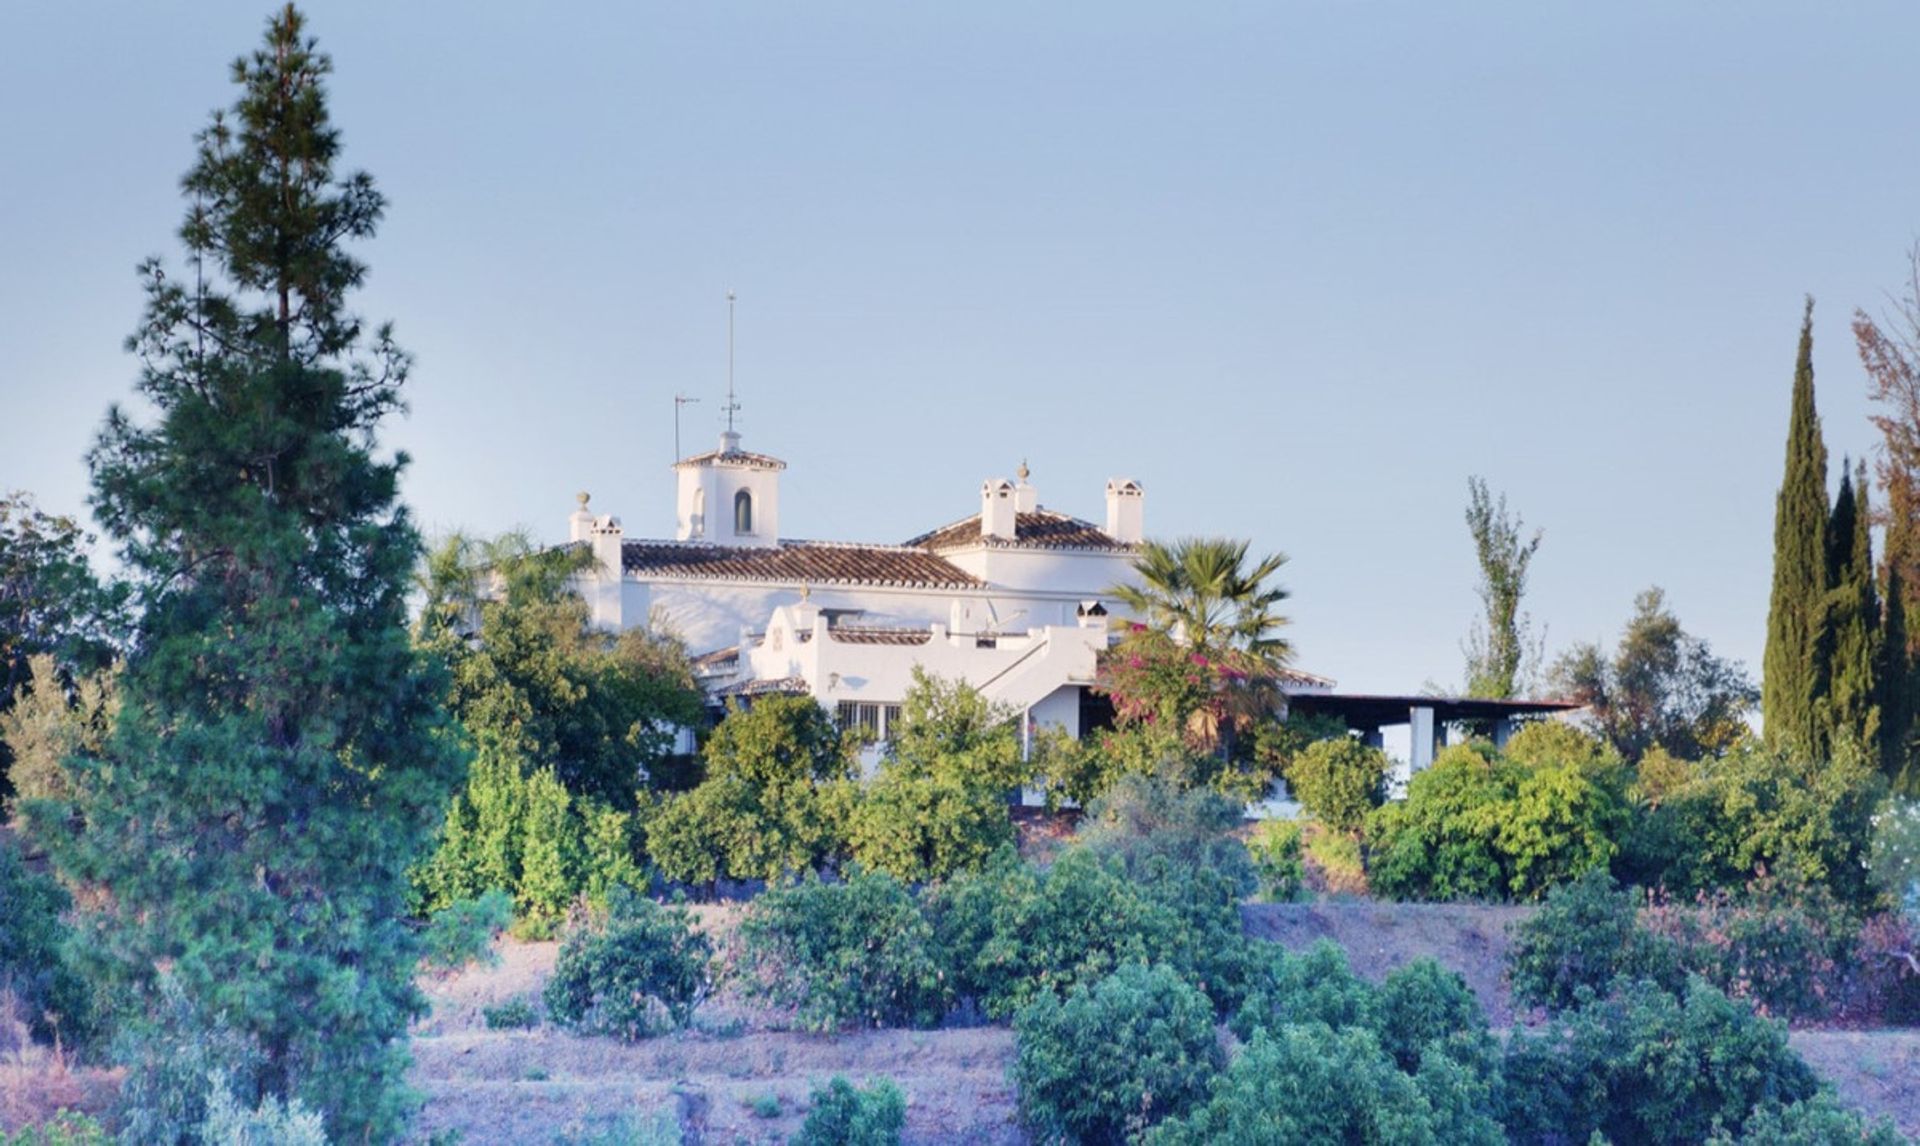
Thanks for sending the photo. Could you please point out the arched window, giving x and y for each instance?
(742, 513)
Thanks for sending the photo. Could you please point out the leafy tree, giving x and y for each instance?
(773, 803)
(1663, 687)
(50, 722)
(940, 801)
(1585, 935)
(1890, 350)
(53, 611)
(531, 673)
(38, 971)
(278, 762)
(1500, 643)
(1794, 676)
(1339, 781)
(1142, 818)
(1110, 1060)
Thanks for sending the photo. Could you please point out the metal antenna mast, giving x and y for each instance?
(679, 400)
(732, 407)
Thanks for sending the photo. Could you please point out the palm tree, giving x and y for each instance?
(1206, 597)
(1200, 592)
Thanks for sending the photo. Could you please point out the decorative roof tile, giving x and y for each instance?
(871, 635)
(797, 563)
(745, 458)
(1039, 529)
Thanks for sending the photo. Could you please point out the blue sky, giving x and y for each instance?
(1298, 268)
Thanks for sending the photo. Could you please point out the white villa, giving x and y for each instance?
(1012, 599)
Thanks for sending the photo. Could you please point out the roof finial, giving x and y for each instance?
(732, 407)
(583, 495)
(1022, 473)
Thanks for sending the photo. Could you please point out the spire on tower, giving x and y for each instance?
(732, 407)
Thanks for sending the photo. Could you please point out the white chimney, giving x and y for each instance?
(581, 523)
(997, 509)
(602, 586)
(1126, 516)
(1026, 499)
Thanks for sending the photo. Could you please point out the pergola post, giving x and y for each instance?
(1426, 743)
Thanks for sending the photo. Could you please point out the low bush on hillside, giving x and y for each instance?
(1107, 1061)
(1584, 935)
(852, 954)
(464, 932)
(68, 1128)
(1013, 932)
(842, 1115)
(1313, 1083)
(1141, 818)
(637, 972)
(1278, 849)
(1646, 1065)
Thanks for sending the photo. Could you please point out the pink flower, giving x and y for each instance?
(1198, 659)
(1136, 662)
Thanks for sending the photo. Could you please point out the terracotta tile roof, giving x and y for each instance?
(797, 563)
(869, 635)
(1041, 529)
(733, 458)
(718, 658)
(1294, 678)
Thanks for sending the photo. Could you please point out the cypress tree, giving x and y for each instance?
(1850, 708)
(1793, 669)
(280, 758)
(1896, 683)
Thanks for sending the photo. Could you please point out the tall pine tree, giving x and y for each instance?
(278, 761)
(1850, 708)
(1793, 670)
(1896, 683)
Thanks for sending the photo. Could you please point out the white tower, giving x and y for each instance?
(729, 496)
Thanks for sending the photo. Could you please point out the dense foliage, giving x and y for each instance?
(38, 971)
(852, 954)
(1339, 781)
(1481, 825)
(1114, 1057)
(842, 1115)
(771, 803)
(568, 725)
(635, 972)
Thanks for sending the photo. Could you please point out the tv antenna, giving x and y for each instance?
(732, 407)
(679, 400)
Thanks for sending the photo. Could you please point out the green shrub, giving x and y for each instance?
(765, 1105)
(1106, 1062)
(852, 954)
(68, 1128)
(1141, 818)
(843, 1116)
(773, 801)
(1423, 1009)
(1477, 826)
(513, 1015)
(1894, 856)
(1013, 932)
(36, 963)
(270, 1123)
(1789, 952)
(1297, 989)
(917, 828)
(1645, 1065)
(1584, 935)
(464, 932)
(1312, 1083)
(1339, 781)
(1817, 1121)
(638, 972)
(1276, 847)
